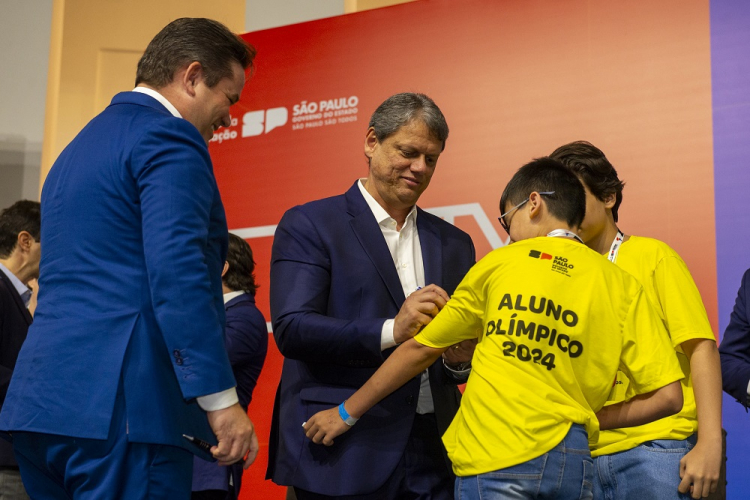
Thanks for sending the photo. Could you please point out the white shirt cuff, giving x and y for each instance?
(458, 370)
(748, 389)
(386, 335)
(218, 400)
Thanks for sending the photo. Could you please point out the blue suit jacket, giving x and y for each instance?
(333, 284)
(735, 346)
(135, 238)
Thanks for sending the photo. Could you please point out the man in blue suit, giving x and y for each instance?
(126, 354)
(351, 277)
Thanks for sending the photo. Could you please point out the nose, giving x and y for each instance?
(419, 164)
(226, 120)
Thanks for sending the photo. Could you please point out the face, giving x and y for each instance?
(402, 165)
(209, 108)
(597, 214)
(35, 255)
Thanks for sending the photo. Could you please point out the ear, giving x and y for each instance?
(25, 240)
(535, 203)
(192, 76)
(610, 200)
(371, 142)
(226, 268)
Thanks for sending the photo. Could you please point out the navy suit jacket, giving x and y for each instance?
(333, 284)
(130, 299)
(735, 346)
(247, 345)
(14, 323)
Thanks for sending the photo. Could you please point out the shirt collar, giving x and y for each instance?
(231, 295)
(378, 211)
(22, 289)
(163, 100)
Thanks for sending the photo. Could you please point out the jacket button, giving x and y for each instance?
(178, 361)
(176, 353)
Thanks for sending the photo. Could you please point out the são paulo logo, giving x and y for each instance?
(559, 264)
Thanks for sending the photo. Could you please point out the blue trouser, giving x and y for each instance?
(565, 472)
(650, 471)
(64, 468)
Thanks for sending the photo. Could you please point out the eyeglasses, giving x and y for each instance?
(501, 219)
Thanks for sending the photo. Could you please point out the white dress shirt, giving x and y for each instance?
(407, 257)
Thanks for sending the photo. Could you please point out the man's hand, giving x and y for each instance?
(324, 426)
(417, 310)
(700, 469)
(460, 353)
(236, 436)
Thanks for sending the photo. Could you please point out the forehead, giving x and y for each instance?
(416, 134)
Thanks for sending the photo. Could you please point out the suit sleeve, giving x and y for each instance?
(300, 290)
(177, 196)
(735, 347)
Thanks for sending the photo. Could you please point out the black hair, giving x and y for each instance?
(240, 275)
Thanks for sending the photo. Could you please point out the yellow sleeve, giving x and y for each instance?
(461, 318)
(680, 302)
(647, 358)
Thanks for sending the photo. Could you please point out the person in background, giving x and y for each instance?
(353, 276)
(20, 251)
(247, 344)
(554, 323)
(679, 456)
(125, 365)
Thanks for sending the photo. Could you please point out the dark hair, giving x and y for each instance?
(240, 275)
(568, 203)
(589, 163)
(400, 109)
(23, 215)
(188, 40)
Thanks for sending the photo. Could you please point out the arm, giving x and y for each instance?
(702, 465)
(301, 282)
(409, 360)
(180, 211)
(643, 408)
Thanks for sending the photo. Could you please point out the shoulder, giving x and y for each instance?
(326, 210)
(650, 247)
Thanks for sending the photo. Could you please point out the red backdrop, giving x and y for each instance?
(515, 79)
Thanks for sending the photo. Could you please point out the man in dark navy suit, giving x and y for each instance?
(247, 345)
(735, 347)
(19, 265)
(125, 363)
(353, 276)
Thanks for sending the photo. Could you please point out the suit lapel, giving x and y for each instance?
(432, 249)
(370, 236)
(16, 298)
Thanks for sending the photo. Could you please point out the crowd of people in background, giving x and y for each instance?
(590, 365)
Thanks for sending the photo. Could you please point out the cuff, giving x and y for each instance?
(218, 400)
(465, 369)
(386, 335)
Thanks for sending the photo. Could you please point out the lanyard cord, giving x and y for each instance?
(564, 233)
(615, 248)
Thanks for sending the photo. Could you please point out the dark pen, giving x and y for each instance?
(203, 445)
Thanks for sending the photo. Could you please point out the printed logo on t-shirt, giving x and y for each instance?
(559, 264)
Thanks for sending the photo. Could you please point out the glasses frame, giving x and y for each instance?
(501, 219)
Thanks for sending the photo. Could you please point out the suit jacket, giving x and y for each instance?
(333, 284)
(735, 346)
(14, 323)
(247, 344)
(130, 299)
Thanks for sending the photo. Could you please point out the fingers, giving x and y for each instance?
(253, 453)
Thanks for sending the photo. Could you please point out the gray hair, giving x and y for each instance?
(400, 109)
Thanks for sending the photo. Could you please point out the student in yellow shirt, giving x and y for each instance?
(665, 459)
(542, 311)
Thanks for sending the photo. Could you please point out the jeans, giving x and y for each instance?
(565, 472)
(650, 471)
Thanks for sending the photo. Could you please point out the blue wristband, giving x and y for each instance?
(348, 419)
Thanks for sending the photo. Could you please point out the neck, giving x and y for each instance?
(399, 214)
(602, 241)
(18, 268)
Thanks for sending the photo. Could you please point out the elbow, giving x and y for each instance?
(672, 399)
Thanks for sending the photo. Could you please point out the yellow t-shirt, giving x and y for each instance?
(543, 310)
(670, 288)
